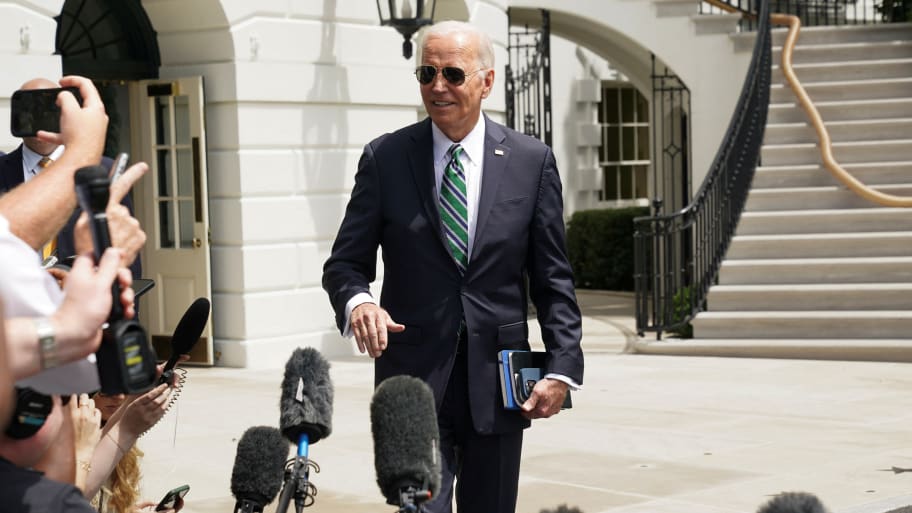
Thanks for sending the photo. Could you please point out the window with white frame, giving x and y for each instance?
(624, 153)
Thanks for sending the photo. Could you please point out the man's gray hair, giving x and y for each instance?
(484, 48)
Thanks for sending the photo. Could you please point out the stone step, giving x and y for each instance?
(840, 131)
(820, 245)
(724, 23)
(874, 324)
(848, 70)
(865, 89)
(867, 349)
(825, 221)
(839, 52)
(825, 197)
(805, 297)
(881, 108)
(842, 34)
(782, 271)
(667, 8)
(844, 152)
(815, 175)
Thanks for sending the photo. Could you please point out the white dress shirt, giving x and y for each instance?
(30, 160)
(28, 290)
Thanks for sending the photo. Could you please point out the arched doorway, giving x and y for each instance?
(111, 42)
(160, 122)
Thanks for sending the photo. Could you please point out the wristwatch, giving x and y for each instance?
(47, 344)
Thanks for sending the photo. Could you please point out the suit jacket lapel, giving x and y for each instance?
(421, 160)
(11, 170)
(496, 156)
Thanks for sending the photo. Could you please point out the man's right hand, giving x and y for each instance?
(369, 325)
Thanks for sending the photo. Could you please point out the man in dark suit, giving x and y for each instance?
(466, 233)
(29, 159)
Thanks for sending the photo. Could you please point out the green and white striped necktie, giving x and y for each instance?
(454, 208)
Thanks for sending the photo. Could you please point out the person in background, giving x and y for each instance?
(115, 488)
(31, 158)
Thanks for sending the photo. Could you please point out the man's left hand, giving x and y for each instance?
(546, 399)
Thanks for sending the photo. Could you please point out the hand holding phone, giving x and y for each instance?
(170, 498)
(32, 110)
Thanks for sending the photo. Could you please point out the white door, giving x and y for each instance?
(171, 203)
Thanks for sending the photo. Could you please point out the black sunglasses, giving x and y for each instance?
(453, 75)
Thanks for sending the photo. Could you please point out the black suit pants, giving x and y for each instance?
(485, 467)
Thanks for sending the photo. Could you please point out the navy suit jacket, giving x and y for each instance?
(11, 176)
(518, 252)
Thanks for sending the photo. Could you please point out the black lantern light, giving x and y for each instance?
(406, 16)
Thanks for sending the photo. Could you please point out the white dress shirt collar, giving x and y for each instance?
(472, 144)
(30, 160)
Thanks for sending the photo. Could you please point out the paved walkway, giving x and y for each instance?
(648, 434)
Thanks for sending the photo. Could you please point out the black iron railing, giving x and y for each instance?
(819, 12)
(677, 256)
(528, 80)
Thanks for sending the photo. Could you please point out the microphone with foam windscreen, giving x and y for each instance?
(186, 334)
(406, 437)
(305, 419)
(793, 502)
(258, 468)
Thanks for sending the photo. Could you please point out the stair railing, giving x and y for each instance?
(819, 12)
(824, 142)
(678, 255)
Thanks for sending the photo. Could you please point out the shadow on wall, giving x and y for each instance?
(326, 168)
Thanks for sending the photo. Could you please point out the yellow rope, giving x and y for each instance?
(826, 146)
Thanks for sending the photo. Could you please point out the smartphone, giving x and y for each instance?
(36, 109)
(119, 166)
(170, 498)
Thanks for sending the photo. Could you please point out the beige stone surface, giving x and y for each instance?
(647, 434)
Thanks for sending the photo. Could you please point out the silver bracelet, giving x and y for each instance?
(47, 343)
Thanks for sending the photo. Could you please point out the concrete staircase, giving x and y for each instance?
(810, 259)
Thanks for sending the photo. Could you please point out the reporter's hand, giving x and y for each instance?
(82, 129)
(369, 325)
(86, 426)
(546, 399)
(87, 304)
(147, 409)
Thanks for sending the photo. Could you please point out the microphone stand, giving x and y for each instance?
(412, 498)
(297, 484)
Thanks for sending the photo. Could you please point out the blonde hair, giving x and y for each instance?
(125, 483)
(484, 48)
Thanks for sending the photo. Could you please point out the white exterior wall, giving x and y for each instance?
(294, 91)
(26, 52)
(295, 88)
(576, 75)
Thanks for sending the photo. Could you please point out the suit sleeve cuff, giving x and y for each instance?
(357, 299)
(560, 377)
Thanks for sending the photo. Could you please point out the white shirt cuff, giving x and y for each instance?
(560, 377)
(357, 299)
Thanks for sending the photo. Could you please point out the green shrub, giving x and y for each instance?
(600, 247)
(681, 309)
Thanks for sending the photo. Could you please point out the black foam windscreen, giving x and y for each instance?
(307, 396)
(259, 465)
(93, 186)
(793, 502)
(406, 437)
(188, 330)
